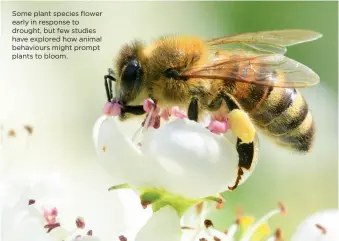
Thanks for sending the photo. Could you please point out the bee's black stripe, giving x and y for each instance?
(299, 140)
(290, 119)
(270, 110)
(257, 94)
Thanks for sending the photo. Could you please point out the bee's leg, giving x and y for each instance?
(246, 154)
(136, 110)
(108, 84)
(193, 109)
(246, 151)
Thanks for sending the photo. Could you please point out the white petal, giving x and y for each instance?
(199, 162)
(307, 230)
(191, 218)
(195, 218)
(119, 155)
(135, 216)
(164, 225)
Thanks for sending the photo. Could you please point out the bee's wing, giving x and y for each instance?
(266, 70)
(269, 41)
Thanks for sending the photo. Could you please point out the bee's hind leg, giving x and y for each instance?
(246, 151)
(193, 109)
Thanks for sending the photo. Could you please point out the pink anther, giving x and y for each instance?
(112, 109)
(178, 113)
(218, 127)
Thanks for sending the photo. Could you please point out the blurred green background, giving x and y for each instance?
(63, 99)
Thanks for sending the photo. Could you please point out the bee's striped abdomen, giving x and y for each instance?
(281, 112)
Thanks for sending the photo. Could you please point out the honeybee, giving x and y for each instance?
(203, 75)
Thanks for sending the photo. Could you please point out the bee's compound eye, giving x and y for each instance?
(131, 75)
(131, 71)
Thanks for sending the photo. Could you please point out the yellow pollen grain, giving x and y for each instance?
(104, 148)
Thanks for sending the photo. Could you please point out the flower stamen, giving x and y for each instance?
(29, 129)
(216, 238)
(187, 228)
(257, 224)
(221, 203)
(145, 204)
(282, 208)
(122, 238)
(11, 133)
(80, 223)
(208, 223)
(278, 234)
(322, 228)
(51, 226)
(50, 215)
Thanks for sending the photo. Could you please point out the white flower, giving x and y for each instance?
(181, 157)
(30, 220)
(165, 225)
(73, 190)
(321, 226)
(197, 228)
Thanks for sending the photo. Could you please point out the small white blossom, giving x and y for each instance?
(182, 157)
(32, 220)
(59, 194)
(321, 226)
(196, 227)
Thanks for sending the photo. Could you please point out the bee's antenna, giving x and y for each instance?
(108, 84)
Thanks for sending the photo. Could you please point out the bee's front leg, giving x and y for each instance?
(135, 110)
(193, 109)
(108, 84)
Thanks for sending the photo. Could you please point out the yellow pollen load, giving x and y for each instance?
(241, 125)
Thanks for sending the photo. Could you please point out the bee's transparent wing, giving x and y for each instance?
(269, 41)
(266, 70)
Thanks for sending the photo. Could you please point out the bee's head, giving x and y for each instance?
(129, 78)
(130, 74)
